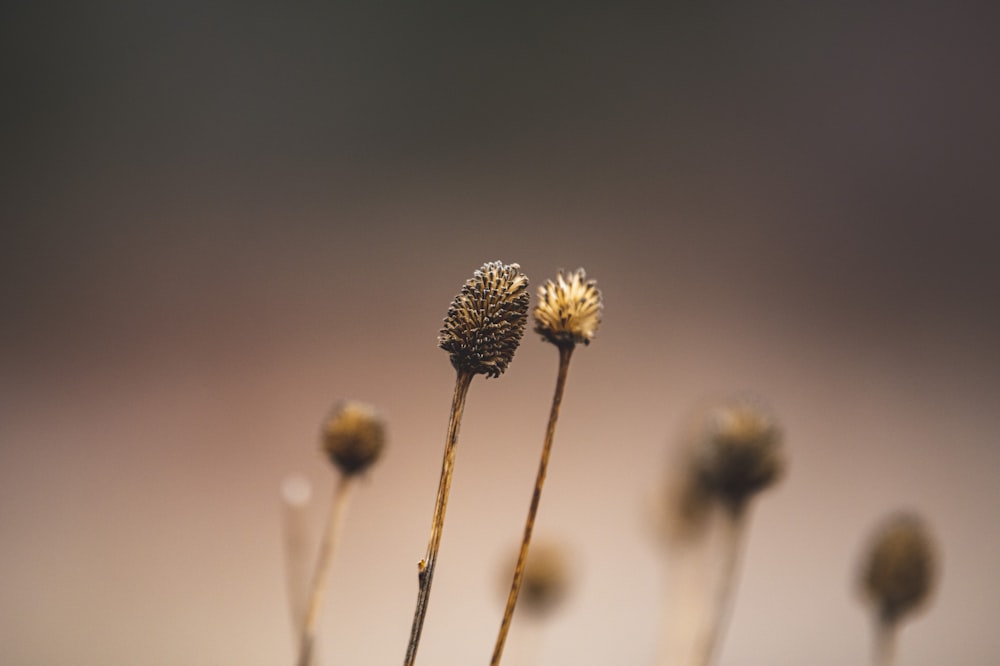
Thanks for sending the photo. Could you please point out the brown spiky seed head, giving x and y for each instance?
(569, 309)
(486, 321)
(898, 572)
(353, 436)
(740, 452)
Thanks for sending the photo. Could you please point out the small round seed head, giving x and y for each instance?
(569, 309)
(486, 321)
(353, 436)
(899, 568)
(546, 580)
(739, 452)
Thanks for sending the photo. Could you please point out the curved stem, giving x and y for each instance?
(331, 535)
(733, 527)
(565, 352)
(426, 567)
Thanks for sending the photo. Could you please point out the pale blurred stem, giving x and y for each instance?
(565, 352)
(295, 502)
(733, 529)
(425, 573)
(528, 648)
(886, 633)
(684, 602)
(324, 562)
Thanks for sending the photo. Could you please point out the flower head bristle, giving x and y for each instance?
(569, 309)
(486, 320)
(899, 571)
(739, 452)
(353, 436)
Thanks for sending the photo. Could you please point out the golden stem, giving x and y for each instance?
(425, 573)
(331, 535)
(565, 352)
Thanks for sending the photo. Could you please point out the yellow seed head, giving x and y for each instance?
(898, 573)
(569, 309)
(486, 321)
(353, 436)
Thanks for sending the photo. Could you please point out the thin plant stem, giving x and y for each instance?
(886, 633)
(733, 527)
(426, 567)
(565, 353)
(684, 601)
(331, 535)
(528, 649)
(295, 496)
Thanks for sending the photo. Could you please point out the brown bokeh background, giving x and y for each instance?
(219, 218)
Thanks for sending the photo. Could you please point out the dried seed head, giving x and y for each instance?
(546, 580)
(353, 436)
(486, 321)
(569, 309)
(739, 452)
(900, 566)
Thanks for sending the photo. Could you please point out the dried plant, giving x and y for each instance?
(740, 453)
(296, 495)
(568, 313)
(546, 581)
(733, 452)
(545, 589)
(481, 332)
(898, 574)
(353, 437)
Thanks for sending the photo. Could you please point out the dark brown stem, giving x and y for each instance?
(426, 567)
(338, 507)
(565, 352)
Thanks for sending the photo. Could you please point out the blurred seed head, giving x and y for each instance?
(486, 321)
(546, 581)
(686, 507)
(899, 568)
(353, 436)
(739, 452)
(569, 309)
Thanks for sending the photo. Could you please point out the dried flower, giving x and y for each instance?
(546, 579)
(899, 570)
(739, 452)
(353, 436)
(731, 451)
(569, 309)
(486, 321)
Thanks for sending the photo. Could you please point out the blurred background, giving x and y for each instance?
(219, 218)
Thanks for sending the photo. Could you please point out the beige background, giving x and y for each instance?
(220, 219)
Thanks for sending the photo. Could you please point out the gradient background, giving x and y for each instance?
(219, 218)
